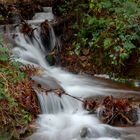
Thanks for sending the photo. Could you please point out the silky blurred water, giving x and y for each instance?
(64, 118)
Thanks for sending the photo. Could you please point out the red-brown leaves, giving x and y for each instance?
(26, 96)
(31, 70)
(90, 105)
(121, 104)
(26, 29)
(118, 112)
(108, 101)
(114, 111)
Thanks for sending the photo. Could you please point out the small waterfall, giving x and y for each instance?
(52, 38)
(64, 118)
(40, 17)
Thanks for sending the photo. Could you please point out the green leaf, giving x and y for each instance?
(91, 20)
(117, 48)
(106, 4)
(3, 49)
(21, 76)
(16, 64)
(124, 56)
(91, 4)
(4, 57)
(107, 43)
(77, 49)
(2, 94)
(128, 46)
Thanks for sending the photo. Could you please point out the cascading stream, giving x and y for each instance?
(64, 118)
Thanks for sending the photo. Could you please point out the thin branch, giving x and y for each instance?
(60, 92)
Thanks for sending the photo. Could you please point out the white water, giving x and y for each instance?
(64, 118)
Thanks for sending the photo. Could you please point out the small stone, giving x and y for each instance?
(84, 132)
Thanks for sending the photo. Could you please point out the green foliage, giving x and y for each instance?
(66, 7)
(111, 29)
(107, 43)
(3, 54)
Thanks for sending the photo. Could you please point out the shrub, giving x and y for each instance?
(111, 29)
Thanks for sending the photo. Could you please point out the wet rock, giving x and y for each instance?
(45, 35)
(51, 59)
(132, 115)
(13, 14)
(16, 11)
(14, 18)
(84, 132)
(27, 10)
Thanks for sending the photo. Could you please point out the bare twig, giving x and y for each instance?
(60, 92)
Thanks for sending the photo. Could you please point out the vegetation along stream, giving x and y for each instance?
(52, 67)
